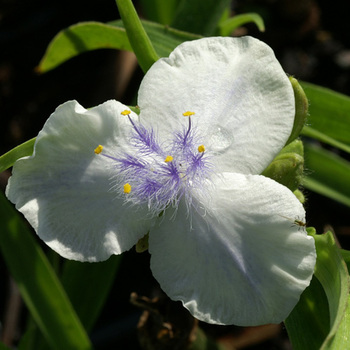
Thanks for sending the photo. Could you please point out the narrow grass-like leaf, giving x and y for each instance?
(308, 324)
(159, 10)
(226, 27)
(323, 168)
(32, 339)
(200, 17)
(138, 38)
(38, 284)
(9, 158)
(79, 38)
(320, 136)
(329, 112)
(93, 36)
(88, 285)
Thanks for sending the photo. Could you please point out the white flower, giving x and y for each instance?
(213, 116)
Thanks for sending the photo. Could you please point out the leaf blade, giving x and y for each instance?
(329, 112)
(229, 25)
(23, 150)
(324, 166)
(38, 284)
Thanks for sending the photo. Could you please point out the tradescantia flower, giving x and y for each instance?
(213, 116)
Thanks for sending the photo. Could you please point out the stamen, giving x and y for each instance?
(98, 149)
(201, 148)
(189, 125)
(168, 159)
(188, 114)
(126, 112)
(127, 188)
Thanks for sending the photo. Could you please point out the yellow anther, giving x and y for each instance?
(98, 149)
(201, 148)
(127, 188)
(126, 112)
(168, 159)
(188, 114)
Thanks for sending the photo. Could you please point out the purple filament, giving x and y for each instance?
(154, 181)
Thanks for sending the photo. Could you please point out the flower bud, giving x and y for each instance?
(288, 166)
(300, 196)
(301, 109)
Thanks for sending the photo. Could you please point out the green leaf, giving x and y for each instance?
(164, 38)
(87, 36)
(200, 17)
(324, 167)
(329, 112)
(341, 340)
(318, 135)
(38, 284)
(138, 38)
(159, 10)
(229, 25)
(79, 38)
(78, 279)
(332, 272)
(310, 326)
(23, 150)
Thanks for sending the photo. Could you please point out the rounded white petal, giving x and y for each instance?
(244, 102)
(65, 190)
(243, 261)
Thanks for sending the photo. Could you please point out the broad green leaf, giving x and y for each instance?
(138, 38)
(229, 25)
(308, 324)
(93, 36)
(200, 17)
(9, 158)
(333, 274)
(342, 337)
(80, 38)
(329, 112)
(38, 284)
(159, 10)
(341, 340)
(88, 285)
(329, 174)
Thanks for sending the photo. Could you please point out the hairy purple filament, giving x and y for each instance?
(158, 182)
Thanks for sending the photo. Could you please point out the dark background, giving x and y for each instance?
(310, 38)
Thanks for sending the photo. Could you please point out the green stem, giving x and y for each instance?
(139, 40)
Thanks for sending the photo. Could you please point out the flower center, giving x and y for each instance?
(160, 174)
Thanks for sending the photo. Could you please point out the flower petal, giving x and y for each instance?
(243, 262)
(242, 99)
(65, 190)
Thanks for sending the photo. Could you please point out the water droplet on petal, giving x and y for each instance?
(220, 139)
